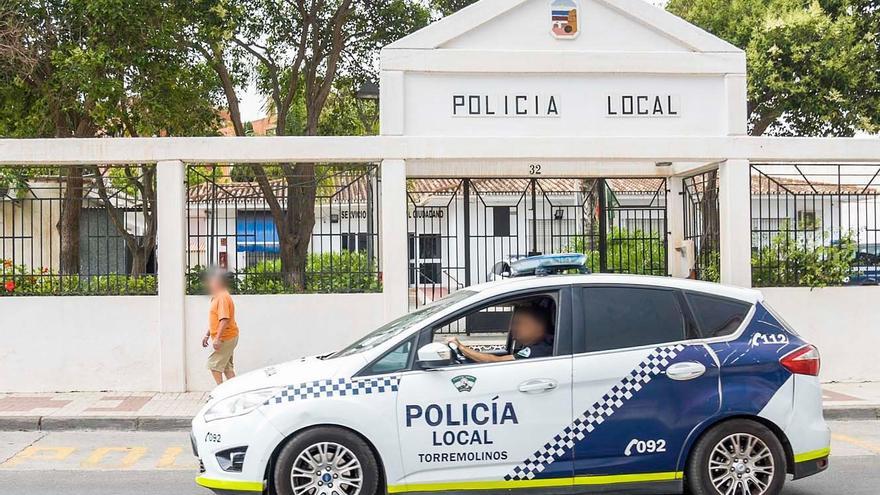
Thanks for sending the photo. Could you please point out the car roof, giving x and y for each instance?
(751, 296)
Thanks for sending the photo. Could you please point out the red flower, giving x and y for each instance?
(9, 285)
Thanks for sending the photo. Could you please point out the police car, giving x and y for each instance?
(603, 383)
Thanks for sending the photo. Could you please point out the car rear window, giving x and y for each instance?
(717, 316)
(623, 317)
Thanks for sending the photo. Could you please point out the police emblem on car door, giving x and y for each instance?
(464, 383)
(468, 425)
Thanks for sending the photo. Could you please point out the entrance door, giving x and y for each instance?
(640, 387)
(484, 426)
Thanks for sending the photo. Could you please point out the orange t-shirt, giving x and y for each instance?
(222, 308)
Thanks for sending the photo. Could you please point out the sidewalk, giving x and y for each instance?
(173, 411)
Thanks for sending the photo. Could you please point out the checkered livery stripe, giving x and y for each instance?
(341, 387)
(654, 364)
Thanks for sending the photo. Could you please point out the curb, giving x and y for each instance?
(853, 413)
(183, 423)
(100, 423)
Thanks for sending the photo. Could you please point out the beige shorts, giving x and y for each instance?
(221, 359)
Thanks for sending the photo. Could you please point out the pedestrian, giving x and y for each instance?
(222, 329)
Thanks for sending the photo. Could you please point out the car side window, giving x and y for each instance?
(395, 360)
(487, 329)
(622, 317)
(717, 316)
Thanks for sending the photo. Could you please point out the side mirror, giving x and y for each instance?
(505, 273)
(434, 355)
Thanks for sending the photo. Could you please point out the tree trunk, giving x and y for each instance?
(69, 220)
(300, 221)
(138, 262)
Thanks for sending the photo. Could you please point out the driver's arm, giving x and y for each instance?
(477, 356)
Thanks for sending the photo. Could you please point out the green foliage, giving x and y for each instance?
(814, 65)
(84, 68)
(790, 260)
(20, 280)
(711, 271)
(343, 272)
(629, 251)
(446, 7)
(13, 181)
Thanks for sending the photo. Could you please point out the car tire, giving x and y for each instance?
(712, 468)
(317, 454)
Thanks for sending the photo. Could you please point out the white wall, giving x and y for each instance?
(60, 344)
(842, 321)
(278, 328)
(50, 344)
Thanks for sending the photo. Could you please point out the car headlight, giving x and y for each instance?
(240, 404)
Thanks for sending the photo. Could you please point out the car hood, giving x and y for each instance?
(294, 372)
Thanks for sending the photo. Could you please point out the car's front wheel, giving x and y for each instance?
(326, 461)
(739, 457)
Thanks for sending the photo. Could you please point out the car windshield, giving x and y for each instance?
(395, 327)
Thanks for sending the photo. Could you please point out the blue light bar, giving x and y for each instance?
(549, 264)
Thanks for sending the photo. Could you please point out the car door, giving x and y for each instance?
(641, 383)
(484, 426)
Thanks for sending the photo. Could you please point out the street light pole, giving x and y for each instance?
(367, 93)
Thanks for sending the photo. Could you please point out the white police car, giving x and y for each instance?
(650, 385)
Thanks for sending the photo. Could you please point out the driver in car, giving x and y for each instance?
(530, 327)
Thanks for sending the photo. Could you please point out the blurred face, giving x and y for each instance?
(526, 329)
(216, 284)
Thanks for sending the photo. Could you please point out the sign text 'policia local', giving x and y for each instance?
(538, 105)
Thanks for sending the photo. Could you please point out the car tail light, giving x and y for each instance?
(804, 361)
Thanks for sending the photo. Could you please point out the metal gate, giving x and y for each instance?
(467, 231)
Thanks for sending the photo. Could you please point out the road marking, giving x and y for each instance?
(169, 460)
(132, 455)
(873, 447)
(34, 453)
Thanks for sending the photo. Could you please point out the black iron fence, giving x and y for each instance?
(702, 224)
(465, 231)
(285, 229)
(815, 225)
(78, 230)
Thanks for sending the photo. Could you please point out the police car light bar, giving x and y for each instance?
(549, 264)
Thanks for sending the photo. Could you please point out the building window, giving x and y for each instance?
(354, 242)
(501, 221)
(429, 246)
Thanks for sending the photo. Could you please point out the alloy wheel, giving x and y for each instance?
(741, 464)
(326, 468)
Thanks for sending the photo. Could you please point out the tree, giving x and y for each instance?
(814, 65)
(446, 7)
(296, 50)
(91, 68)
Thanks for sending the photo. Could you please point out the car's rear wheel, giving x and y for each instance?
(326, 461)
(739, 457)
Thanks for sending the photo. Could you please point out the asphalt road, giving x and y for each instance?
(138, 463)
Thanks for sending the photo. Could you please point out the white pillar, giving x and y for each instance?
(734, 197)
(675, 226)
(393, 243)
(171, 253)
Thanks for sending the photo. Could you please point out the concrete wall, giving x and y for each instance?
(58, 344)
(844, 322)
(278, 328)
(50, 344)
(53, 344)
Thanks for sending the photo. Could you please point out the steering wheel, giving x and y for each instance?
(459, 357)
